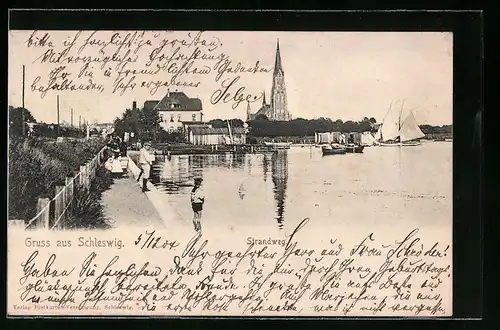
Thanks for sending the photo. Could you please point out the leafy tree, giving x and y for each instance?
(130, 121)
(301, 127)
(236, 122)
(16, 120)
(218, 123)
(150, 119)
(174, 137)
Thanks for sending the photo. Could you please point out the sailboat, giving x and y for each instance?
(397, 130)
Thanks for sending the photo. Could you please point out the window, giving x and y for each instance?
(171, 118)
(194, 117)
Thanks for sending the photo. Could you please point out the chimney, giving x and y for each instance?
(134, 105)
(168, 92)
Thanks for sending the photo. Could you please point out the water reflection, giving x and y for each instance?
(175, 175)
(265, 165)
(287, 186)
(280, 178)
(179, 171)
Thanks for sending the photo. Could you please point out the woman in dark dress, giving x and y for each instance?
(123, 149)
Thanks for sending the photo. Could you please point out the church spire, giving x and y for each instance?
(277, 61)
(249, 111)
(278, 91)
(264, 98)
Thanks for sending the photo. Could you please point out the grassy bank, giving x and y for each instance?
(88, 212)
(37, 166)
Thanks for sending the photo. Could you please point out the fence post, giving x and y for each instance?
(45, 215)
(84, 175)
(76, 181)
(94, 168)
(69, 190)
(58, 207)
(81, 180)
(87, 176)
(100, 156)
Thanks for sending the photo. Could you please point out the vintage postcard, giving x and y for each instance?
(230, 173)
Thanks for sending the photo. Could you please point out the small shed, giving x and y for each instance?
(214, 136)
(327, 137)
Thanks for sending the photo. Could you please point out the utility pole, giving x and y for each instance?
(58, 116)
(80, 122)
(22, 111)
(71, 117)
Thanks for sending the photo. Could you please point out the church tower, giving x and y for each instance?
(249, 111)
(278, 91)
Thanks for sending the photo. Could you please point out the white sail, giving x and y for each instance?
(367, 139)
(409, 129)
(391, 125)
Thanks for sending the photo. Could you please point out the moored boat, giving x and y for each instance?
(403, 144)
(279, 145)
(352, 148)
(333, 149)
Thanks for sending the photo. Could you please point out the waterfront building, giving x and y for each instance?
(213, 136)
(176, 109)
(327, 137)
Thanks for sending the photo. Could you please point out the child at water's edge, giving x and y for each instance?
(197, 200)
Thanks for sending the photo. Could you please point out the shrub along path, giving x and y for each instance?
(125, 205)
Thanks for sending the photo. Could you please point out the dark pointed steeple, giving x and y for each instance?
(277, 61)
(249, 111)
(278, 91)
(264, 98)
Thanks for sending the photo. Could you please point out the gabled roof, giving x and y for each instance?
(180, 100)
(150, 104)
(264, 110)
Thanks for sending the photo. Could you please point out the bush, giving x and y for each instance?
(88, 212)
(37, 166)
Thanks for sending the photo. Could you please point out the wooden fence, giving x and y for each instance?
(52, 213)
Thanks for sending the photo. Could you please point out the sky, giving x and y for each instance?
(340, 75)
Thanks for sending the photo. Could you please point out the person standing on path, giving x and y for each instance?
(146, 159)
(123, 148)
(197, 200)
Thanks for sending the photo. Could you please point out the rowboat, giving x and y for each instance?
(333, 149)
(352, 148)
(403, 144)
(279, 145)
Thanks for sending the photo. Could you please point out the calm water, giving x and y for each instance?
(382, 186)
